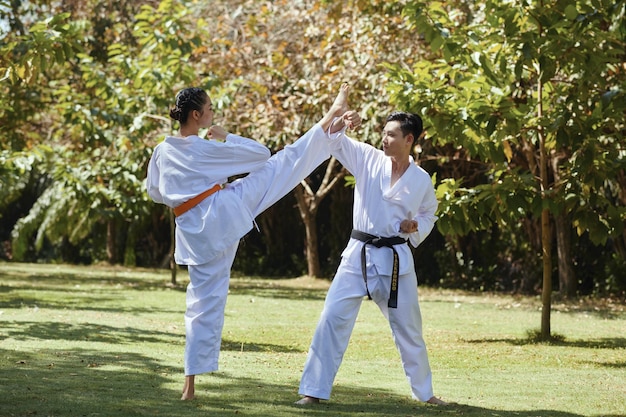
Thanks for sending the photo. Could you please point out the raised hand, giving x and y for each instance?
(217, 132)
(408, 225)
(351, 119)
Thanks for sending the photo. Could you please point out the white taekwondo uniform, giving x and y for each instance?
(207, 235)
(378, 210)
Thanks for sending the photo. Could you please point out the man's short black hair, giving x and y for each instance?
(409, 123)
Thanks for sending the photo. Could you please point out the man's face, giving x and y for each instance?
(395, 144)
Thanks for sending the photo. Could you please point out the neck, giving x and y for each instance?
(398, 166)
(187, 130)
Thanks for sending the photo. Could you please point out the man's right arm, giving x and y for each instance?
(351, 153)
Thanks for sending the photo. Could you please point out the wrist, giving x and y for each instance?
(337, 125)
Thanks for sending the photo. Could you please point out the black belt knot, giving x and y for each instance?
(380, 242)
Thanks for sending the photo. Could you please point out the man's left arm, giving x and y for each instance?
(422, 223)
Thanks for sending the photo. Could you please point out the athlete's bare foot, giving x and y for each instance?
(188, 388)
(338, 108)
(306, 400)
(437, 401)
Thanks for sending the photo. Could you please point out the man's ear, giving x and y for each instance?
(409, 139)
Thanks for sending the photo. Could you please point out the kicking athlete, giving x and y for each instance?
(189, 174)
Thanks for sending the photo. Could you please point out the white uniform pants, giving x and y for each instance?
(336, 323)
(208, 287)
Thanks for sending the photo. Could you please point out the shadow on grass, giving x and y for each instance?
(398, 407)
(68, 280)
(86, 299)
(93, 383)
(51, 330)
(84, 383)
(601, 343)
(88, 332)
(81, 382)
(276, 289)
(615, 365)
(238, 346)
(79, 288)
(223, 395)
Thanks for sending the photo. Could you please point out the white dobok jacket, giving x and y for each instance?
(180, 169)
(379, 208)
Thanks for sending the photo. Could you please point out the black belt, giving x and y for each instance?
(379, 242)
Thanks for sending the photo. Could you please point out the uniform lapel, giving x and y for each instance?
(388, 190)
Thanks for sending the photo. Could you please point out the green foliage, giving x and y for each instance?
(54, 40)
(502, 202)
(85, 89)
(14, 175)
(102, 117)
(477, 94)
(504, 83)
(27, 61)
(82, 194)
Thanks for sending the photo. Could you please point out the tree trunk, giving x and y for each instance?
(567, 275)
(173, 268)
(111, 241)
(546, 234)
(130, 256)
(312, 248)
(563, 228)
(308, 211)
(620, 241)
(546, 293)
(308, 204)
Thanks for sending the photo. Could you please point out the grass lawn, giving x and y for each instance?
(96, 341)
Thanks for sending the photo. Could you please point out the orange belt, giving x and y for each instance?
(189, 204)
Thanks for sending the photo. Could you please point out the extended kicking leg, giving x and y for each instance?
(288, 167)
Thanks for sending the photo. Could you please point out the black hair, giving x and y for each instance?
(409, 123)
(187, 100)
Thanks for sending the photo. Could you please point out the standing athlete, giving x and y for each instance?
(394, 204)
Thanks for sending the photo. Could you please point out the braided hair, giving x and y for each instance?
(409, 123)
(187, 100)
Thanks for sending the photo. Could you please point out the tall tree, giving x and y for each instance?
(535, 94)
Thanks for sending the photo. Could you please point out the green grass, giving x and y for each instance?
(95, 341)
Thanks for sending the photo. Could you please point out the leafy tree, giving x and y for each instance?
(100, 104)
(531, 95)
(292, 57)
(85, 92)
